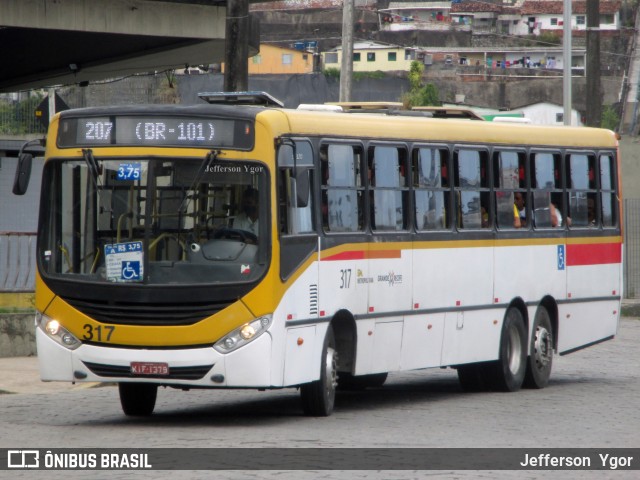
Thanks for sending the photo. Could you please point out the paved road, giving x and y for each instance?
(591, 401)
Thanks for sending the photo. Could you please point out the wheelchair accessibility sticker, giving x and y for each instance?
(561, 257)
(124, 262)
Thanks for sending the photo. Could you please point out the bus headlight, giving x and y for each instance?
(56, 331)
(243, 335)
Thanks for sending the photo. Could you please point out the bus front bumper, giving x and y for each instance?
(249, 366)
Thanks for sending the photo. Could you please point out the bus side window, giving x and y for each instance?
(471, 185)
(387, 180)
(508, 168)
(295, 196)
(581, 188)
(429, 173)
(546, 184)
(608, 198)
(342, 190)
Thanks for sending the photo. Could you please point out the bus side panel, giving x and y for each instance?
(452, 277)
(422, 341)
(514, 267)
(379, 345)
(390, 289)
(582, 321)
(586, 323)
(471, 336)
(581, 284)
(297, 347)
(300, 356)
(339, 274)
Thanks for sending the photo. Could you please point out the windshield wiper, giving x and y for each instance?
(204, 166)
(92, 163)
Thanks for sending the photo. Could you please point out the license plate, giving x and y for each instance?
(149, 368)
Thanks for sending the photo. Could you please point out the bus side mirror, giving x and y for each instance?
(23, 174)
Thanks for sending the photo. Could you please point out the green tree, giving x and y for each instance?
(420, 95)
(415, 75)
(18, 118)
(610, 118)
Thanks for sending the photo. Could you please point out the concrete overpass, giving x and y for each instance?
(54, 42)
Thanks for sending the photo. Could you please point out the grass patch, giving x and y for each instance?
(630, 310)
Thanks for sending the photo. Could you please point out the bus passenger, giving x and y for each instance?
(247, 219)
(519, 211)
(591, 212)
(556, 216)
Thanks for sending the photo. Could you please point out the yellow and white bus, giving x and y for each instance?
(234, 246)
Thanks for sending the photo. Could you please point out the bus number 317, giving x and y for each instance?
(345, 278)
(99, 334)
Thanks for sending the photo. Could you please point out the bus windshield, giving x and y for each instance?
(154, 221)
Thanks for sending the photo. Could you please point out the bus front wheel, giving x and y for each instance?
(540, 351)
(318, 397)
(138, 399)
(509, 370)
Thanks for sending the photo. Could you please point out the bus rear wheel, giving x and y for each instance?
(507, 373)
(318, 397)
(138, 399)
(540, 351)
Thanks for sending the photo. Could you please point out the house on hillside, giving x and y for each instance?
(372, 56)
(537, 16)
(549, 58)
(281, 60)
(415, 15)
(480, 17)
(524, 17)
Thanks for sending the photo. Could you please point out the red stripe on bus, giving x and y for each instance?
(348, 255)
(362, 255)
(594, 254)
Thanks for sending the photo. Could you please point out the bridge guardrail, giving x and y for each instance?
(17, 261)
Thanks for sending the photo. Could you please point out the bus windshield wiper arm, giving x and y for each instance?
(92, 163)
(204, 166)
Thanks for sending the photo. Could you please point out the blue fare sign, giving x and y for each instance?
(124, 262)
(129, 171)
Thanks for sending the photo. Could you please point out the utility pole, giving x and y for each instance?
(346, 67)
(594, 88)
(566, 53)
(236, 46)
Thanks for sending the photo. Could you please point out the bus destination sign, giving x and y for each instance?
(175, 131)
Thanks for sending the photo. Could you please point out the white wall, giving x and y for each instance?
(546, 114)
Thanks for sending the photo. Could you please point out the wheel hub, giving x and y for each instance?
(542, 347)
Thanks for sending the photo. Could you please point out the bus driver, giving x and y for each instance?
(247, 219)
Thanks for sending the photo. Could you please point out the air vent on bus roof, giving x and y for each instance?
(241, 98)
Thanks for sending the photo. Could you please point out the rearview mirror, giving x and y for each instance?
(23, 174)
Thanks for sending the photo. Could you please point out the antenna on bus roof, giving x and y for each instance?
(241, 98)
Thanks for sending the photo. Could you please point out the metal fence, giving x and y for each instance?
(20, 115)
(17, 261)
(632, 248)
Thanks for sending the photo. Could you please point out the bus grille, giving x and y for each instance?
(175, 373)
(147, 314)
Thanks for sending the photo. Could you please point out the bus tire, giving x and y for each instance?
(507, 373)
(138, 399)
(347, 381)
(541, 351)
(318, 397)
